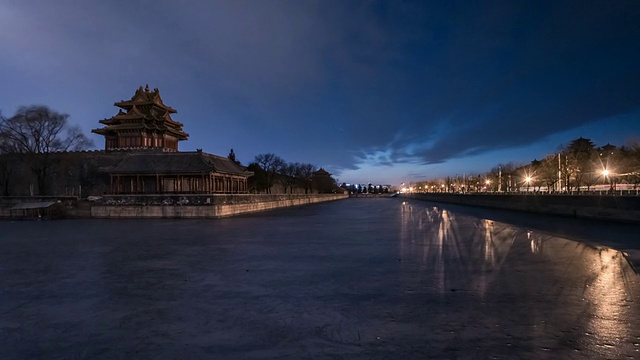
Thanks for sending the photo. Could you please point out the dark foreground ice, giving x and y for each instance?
(353, 279)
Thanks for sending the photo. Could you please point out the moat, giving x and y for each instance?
(354, 279)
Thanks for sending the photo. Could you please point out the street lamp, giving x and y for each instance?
(528, 181)
(606, 174)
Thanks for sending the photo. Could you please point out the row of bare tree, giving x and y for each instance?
(576, 167)
(270, 169)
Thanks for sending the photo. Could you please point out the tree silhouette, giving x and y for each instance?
(36, 131)
(580, 155)
(232, 157)
(271, 164)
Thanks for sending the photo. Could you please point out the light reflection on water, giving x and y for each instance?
(593, 289)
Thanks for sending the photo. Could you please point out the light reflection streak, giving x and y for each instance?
(606, 279)
(609, 298)
(433, 232)
(489, 252)
(568, 287)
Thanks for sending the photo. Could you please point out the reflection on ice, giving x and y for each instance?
(605, 281)
(361, 279)
(435, 234)
(591, 288)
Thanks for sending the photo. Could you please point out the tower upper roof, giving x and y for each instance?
(144, 97)
(146, 114)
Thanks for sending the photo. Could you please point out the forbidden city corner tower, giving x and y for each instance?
(143, 122)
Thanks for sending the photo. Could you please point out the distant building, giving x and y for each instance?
(366, 188)
(145, 123)
(323, 182)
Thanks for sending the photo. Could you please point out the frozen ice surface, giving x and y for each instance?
(352, 279)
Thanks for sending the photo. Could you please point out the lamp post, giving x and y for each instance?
(608, 179)
(528, 181)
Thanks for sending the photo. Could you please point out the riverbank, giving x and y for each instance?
(164, 206)
(601, 207)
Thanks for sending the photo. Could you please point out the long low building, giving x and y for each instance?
(179, 172)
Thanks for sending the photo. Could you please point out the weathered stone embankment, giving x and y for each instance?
(213, 206)
(602, 207)
(173, 206)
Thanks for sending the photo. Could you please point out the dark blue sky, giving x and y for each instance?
(385, 91)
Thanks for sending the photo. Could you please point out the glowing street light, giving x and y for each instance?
(487, 184)
(606, 174)
(528, 181)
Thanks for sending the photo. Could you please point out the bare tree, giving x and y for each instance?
(580, 153)
(5, 168)
(631, 161)
(288, 178)
(36, 131)
(304, 172)
(271, 164)
(506, 176)
(548, 172)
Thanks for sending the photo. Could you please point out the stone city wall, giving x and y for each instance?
(604, 207)
(200, 206)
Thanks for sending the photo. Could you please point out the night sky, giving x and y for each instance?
(382, 92)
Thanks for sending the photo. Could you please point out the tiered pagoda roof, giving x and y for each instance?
(145, 113)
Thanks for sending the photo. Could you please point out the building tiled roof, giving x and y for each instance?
(322, 172)
(177, 163)
(145, 97)
(144, 112)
